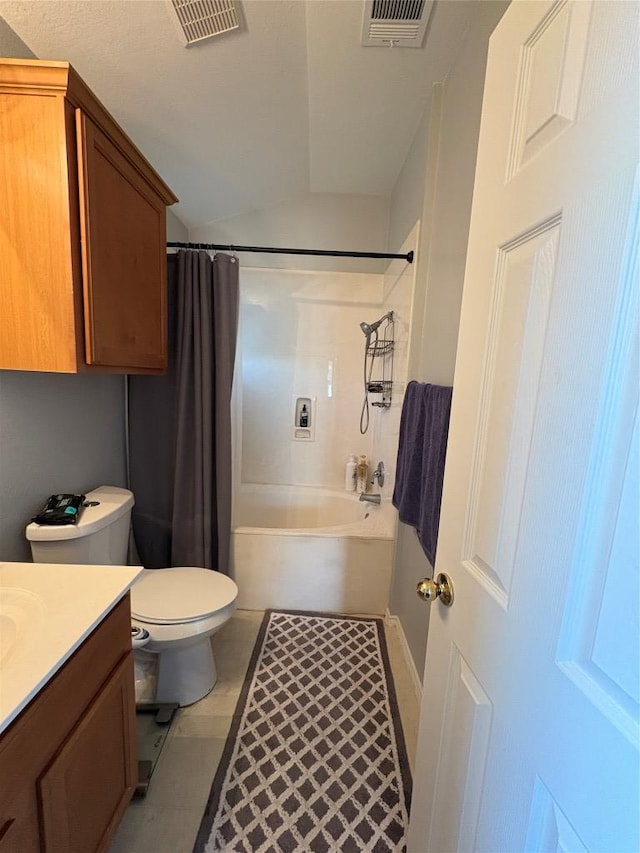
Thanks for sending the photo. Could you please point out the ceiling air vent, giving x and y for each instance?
(395, 23)
(202, 19)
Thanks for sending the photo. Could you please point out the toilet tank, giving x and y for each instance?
(100, 537)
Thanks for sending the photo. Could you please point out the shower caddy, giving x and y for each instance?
(380, 351)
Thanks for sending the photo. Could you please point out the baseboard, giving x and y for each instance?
(415, 678)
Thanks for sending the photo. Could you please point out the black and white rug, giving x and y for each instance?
(315, 759)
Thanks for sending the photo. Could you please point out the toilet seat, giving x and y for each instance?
(180, 595)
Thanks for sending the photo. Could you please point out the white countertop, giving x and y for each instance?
(46, 611)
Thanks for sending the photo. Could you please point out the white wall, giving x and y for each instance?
(442, 161)
(317, 221)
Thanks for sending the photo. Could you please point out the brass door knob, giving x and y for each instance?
(441, 587)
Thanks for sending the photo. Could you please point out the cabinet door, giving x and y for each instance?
(86, 788)
(38, 320)
(123, 233)
(19, 832)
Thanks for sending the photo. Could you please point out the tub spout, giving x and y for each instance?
(371, 499)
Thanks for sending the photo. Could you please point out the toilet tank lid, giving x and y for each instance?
(112, 503)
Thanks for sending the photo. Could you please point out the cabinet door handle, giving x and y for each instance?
(6, 826)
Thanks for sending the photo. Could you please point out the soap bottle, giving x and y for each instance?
(304, 416)
(350, 474)
(362, 474)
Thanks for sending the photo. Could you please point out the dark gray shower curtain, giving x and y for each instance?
(180, 424)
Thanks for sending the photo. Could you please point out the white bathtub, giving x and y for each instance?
(311, 549)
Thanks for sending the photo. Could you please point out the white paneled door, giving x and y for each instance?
(529, 727)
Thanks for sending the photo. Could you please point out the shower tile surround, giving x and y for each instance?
(168, 818)
(300, 337)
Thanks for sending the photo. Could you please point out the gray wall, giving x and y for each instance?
(442, 163)
(11, 45)
(58, 432)
(176, 231)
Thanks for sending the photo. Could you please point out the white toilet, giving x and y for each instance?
(179, 607)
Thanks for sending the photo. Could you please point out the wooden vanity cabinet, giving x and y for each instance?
(82, 231)
(68, 762)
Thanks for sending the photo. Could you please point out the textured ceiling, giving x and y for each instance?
(250, 119)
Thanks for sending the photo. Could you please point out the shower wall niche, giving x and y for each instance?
(304, 418)
(300, 339)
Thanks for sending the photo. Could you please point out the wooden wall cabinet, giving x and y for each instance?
(68, 762)
(82, 231)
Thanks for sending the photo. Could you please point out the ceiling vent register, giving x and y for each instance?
(203, 19)
(395, 23)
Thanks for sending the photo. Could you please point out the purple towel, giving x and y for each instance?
(422, 447)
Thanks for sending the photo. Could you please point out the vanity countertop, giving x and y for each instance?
(46, 611)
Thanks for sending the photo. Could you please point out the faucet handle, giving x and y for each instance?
(379, 474)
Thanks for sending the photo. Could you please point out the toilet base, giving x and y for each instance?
(186, 674)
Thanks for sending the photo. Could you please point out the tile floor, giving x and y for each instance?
(168, 818)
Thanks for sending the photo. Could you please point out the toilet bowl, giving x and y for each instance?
(180, 608)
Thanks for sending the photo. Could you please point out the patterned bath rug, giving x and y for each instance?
(315, 760)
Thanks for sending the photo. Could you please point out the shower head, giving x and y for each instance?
(369, 328)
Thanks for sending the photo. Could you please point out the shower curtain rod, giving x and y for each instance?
(271, 250)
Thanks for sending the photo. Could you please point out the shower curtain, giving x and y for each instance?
(180, 423)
